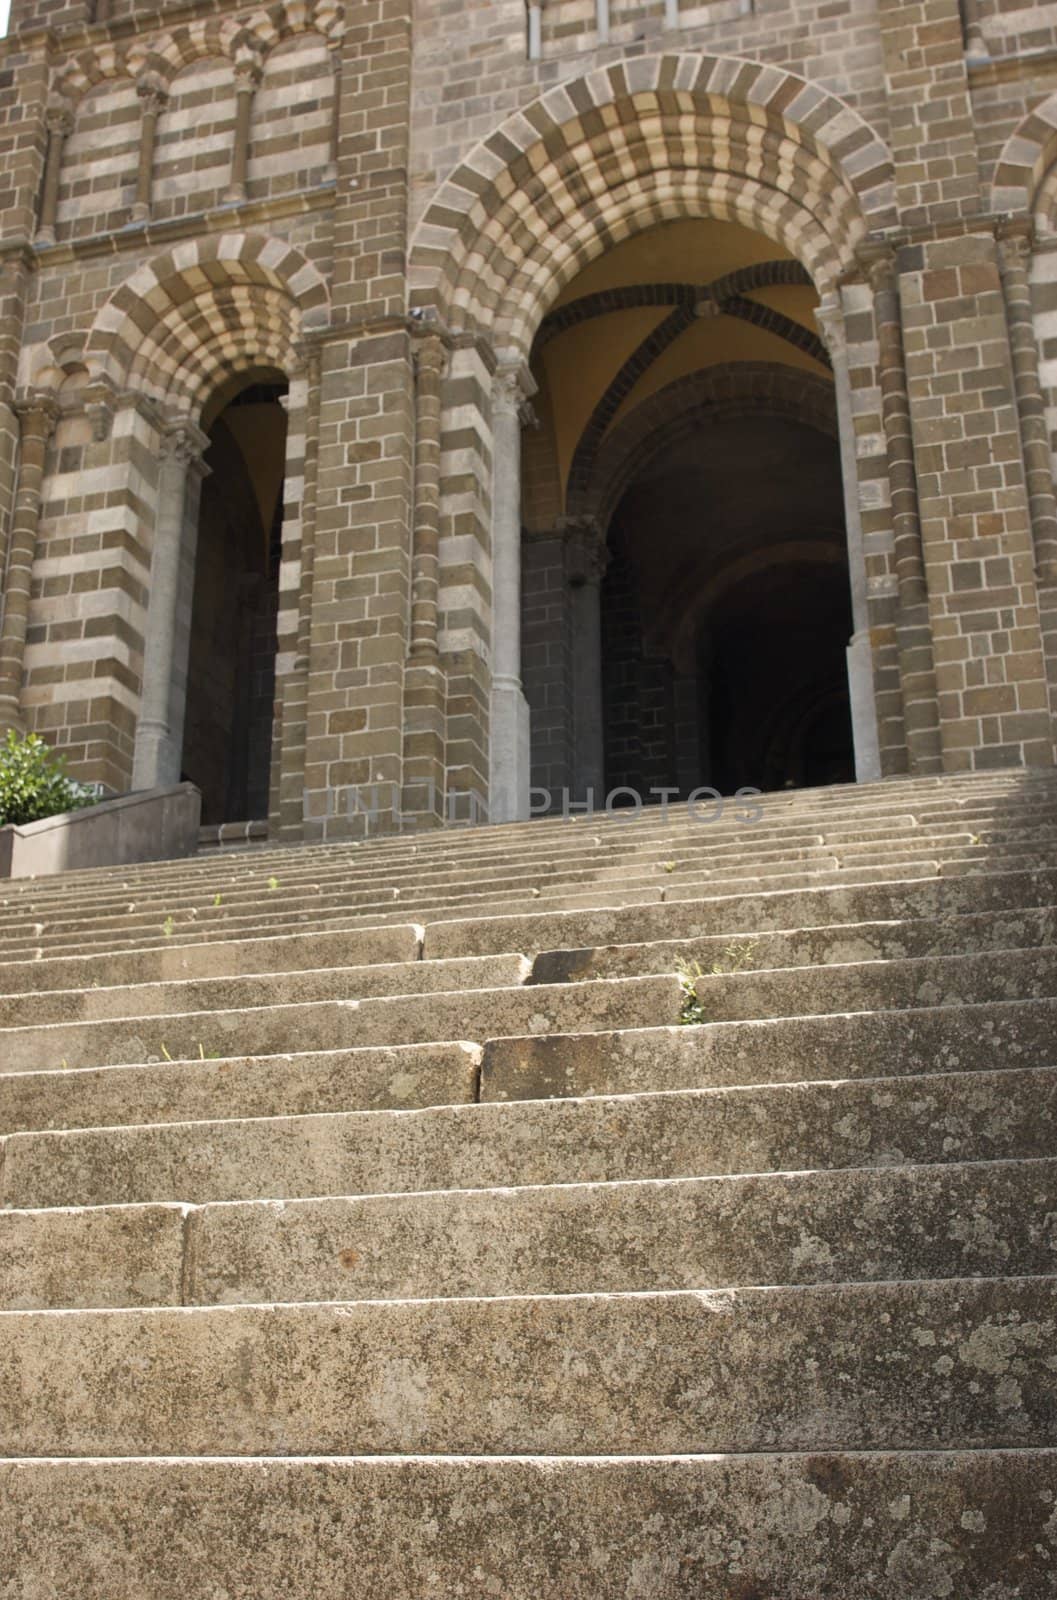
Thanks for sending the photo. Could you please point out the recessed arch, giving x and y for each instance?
(1027, 157)
(637, 143)
(692, 402)
(208, 307)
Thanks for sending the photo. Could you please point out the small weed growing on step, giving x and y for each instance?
(691, 1011)
(669, 866)
(167, 927)
(273, 883)
(738, 956)
(216, 899)
(165, 1053)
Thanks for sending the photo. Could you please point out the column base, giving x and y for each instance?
(156, 763)
(508, 770)
(864, 732)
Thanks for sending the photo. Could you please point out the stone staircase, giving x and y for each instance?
(374, 1228)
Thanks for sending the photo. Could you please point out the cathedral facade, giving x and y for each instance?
(414, 412)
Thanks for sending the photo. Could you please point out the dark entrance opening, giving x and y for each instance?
(231, 666)
(726, 613)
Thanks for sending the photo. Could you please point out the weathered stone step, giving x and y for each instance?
(357, 944)
(170, 962)
(584, 857)
(879, 985)
(741, 914)
(864, 1044)
(300, 987)
(342, 1024)
(173, 905)
(961, 1038)
(890, 803)
(841, 944)
(132, 933)
(935, 1117)
(837, 1526)
(957, 1364)
(400, 1077)
(975, 1220)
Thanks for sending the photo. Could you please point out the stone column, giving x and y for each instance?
(153, 95)
(59, 120)
(430, 364)
(535, 29)
(1015, 264)
(585, 565)
(976, 50)
(247, 79)
(913, 626)
(38, 414)
(830, 319)
(509, 713)
(159, 734)
(335, 121)
(424, 686)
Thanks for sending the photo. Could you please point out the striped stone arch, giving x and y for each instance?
(644, 141)
(167, 54)
(1026, 160)
(185, 322)
(713, 394)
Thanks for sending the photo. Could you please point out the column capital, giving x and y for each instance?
(512, 388)
(38, 412)
(430, 355)
(182, 441)
(1016, 242)
(878, 262)
(58, 118)
(586, 556)
(153, 91)
(249, 70)
(829, 319)
(100, 403)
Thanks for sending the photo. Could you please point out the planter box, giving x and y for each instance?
(151, 825)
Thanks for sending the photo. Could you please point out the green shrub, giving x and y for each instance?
(33, 782)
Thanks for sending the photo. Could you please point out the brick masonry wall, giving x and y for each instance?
(357, 119)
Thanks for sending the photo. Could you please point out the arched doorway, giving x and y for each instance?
(228, 723)
(687, 430)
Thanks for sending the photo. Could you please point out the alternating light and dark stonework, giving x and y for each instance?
(352, 356)
(373, 1224)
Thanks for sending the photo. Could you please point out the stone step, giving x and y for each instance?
(842, 944)
(400, 1077)
(122, 907)
(131, 933)
(170, 962)
(342, 1024)
(869, 1525)
(302, 986)
(954, 1364)
(787, 909)
(582, 858)
(964, 1220)
(960, 1038)
(861, 1044)
(879, 985)
(356, 943)
(940, 1117)
(892, 802)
